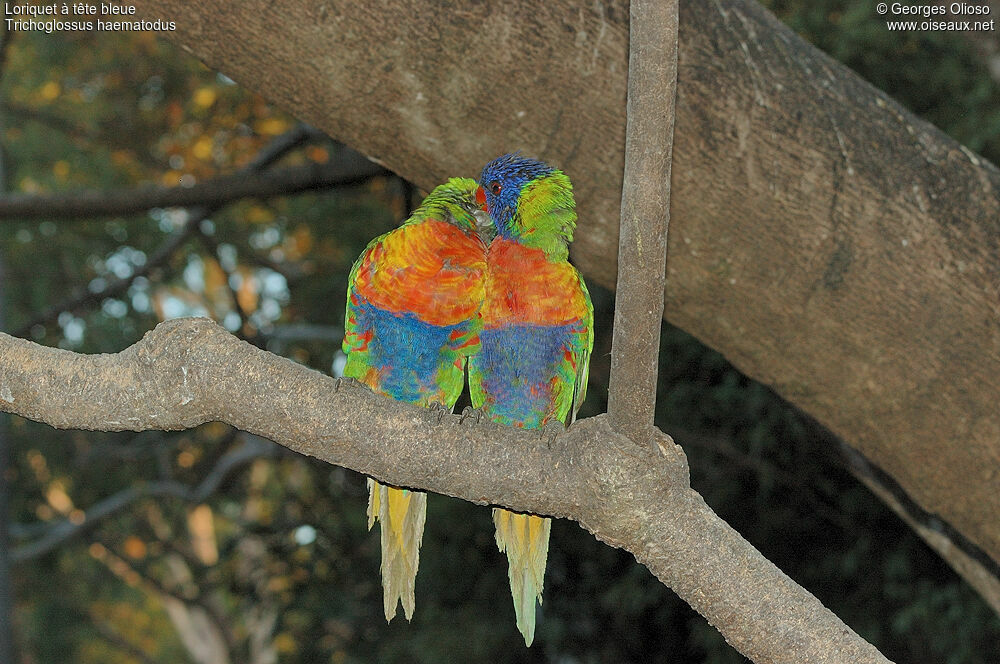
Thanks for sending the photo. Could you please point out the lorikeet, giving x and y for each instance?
(536, 340)
(412, 320)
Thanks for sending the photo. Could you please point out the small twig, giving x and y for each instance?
(60, 532)
(116, 639)
(82, 296)
(211, 245)
(195, 599)
(645, 213)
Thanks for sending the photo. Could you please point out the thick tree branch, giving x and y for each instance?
(190, 371)
(213, 193)
(645, 215)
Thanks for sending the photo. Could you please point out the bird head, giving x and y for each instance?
(530, 202)
(455, 202)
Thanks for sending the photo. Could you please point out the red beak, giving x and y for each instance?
(481, 198)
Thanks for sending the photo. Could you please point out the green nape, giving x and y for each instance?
(546, 215)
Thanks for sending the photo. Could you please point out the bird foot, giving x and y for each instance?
(470, 413)
(550, 430)
(438, 408)
(344, 381)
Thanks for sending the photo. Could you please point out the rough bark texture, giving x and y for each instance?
(190, 371)
(828, 242)
(645, 216)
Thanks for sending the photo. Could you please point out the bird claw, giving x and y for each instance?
(471, 413)
(344, 381)
(439, 408)
(550, 430)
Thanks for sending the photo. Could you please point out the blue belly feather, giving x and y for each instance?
(408, 353)
(518, 363)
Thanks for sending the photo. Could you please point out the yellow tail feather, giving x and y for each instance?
(525, 538)
(402, 513)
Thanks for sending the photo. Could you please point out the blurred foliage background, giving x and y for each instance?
(213, 546)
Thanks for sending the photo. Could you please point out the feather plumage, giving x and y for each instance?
(535, 342)
(412, 321)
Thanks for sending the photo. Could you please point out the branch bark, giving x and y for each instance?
(827, 241)
(645, 217)
(189, 371)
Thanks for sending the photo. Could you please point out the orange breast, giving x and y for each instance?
(524, 287)
(432, 269)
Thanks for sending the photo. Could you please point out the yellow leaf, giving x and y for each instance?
(29, 186)
(272, 126)
(298, 243)
(134, 547)
(202, 148)
(318, 154)
(201, 525)
(214, 429)
(205, 97)
(284, 643)
(50, 91)
(246, 296)
(39, 465)
(278, 583)
(58, 498)
(60, 169)
(121, 157)
(215, 276)
(258, 214)
(172, 178)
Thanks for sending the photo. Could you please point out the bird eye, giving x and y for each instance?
(496, 188)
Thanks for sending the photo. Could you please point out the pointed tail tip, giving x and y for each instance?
(390, 610)
(408, 607)
(391, 607)
(526, 618)
(527, 630)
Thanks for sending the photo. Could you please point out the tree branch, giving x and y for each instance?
(645, 215)
(62, 531)
(979, 570)
(81, 296)
(110, 634)
(189, 371)
(352, 169)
